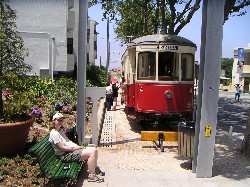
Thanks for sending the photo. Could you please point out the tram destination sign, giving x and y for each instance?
(168, 47)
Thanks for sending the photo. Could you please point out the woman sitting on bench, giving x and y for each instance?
(68, 151)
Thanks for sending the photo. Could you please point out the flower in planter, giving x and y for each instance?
(36, 111)
(67, 109)
(6, 94)
(40, 101)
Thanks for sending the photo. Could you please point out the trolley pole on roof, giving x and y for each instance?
(208, 91)
(81, 71)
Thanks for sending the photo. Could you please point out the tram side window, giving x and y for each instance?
(168, 66)
(146, 66)
(187, 67)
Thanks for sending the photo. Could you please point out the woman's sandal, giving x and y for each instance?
(95, 178)
(101, 173)
(98, 171)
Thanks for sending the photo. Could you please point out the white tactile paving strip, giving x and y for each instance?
(108, 136)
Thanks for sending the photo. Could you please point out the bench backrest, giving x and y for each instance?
(45, 153)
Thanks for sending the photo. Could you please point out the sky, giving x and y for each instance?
(236, 33)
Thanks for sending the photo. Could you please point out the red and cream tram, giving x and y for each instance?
(159, 77)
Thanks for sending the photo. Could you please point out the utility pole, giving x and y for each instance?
(100, 61)
(108, 50)
(208, 90)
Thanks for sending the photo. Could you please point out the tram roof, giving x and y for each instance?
(163, 39)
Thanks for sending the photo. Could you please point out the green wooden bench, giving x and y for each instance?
(51, 166)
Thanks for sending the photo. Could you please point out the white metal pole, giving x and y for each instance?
(200, 87)
(81, 71)
(211, 60)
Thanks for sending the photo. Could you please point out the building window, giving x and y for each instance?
(69, 45)
(88, 35)
(95, 45)
(88, 58)
(95, 30)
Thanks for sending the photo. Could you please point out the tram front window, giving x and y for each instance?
(146, 66)
(187, 67)
(168, 66)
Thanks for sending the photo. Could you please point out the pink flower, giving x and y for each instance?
(39, 99)
(6, 93)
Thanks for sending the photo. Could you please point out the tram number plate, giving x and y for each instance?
(169, 47)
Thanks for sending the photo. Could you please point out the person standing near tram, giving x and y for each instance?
(109, 96)
(237, 92)
(115, 88)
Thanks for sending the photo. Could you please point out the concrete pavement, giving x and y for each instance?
(117, 177)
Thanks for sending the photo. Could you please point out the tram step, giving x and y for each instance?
(169, 136)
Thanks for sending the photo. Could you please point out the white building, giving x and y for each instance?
(50, 32)
(241, 72)
(92, 41)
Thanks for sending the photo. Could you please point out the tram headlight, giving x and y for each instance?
(168, 94)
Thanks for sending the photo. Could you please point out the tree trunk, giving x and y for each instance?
(1, 71)
(156, 17)
(173, 17)
(245, 148)
(1, 96)
(163, 18)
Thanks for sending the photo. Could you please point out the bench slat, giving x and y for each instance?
(74, 169)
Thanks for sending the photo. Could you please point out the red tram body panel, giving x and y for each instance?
(159, 77)
(163, 99)
(129, 95)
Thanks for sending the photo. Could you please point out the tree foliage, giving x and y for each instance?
(96, 77)
(140, 17)
(12, 51)
(234, 8)
(227, 65)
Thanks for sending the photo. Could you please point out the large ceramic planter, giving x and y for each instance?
(13, 136)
